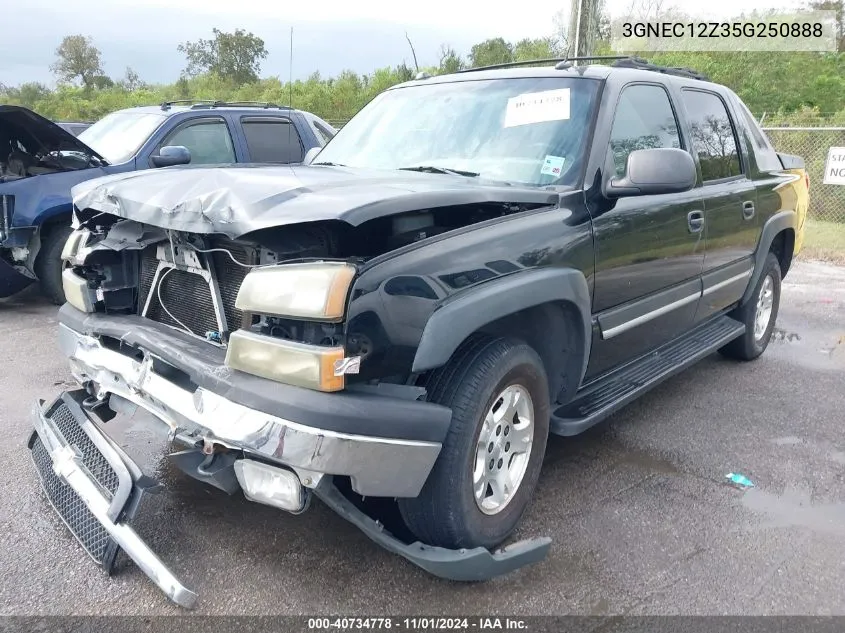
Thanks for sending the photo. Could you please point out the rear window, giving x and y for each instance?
(272, 141)
(764, 154)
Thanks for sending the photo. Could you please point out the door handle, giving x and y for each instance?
(748, 209)
(695, 220)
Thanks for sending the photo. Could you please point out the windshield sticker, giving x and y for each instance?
(552, 166)
(537, 107)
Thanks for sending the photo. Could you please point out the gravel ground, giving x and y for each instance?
(642, 518)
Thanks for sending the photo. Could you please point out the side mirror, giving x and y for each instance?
(170, 155)
(654, 171)
(310, 155)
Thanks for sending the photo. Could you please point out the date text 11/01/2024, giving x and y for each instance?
(424, 623)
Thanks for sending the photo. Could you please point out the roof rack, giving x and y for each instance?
(561, 62)
(642, 64)
(197, 104)
(619, 61)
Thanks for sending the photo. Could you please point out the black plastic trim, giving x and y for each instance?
(355, 413)
(462, 565)
(774, 225)
(457, 318)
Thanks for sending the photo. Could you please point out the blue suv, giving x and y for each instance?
(40, 162)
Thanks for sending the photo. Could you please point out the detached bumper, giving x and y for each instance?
(386, 445)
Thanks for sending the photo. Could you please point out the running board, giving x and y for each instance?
(598, 400)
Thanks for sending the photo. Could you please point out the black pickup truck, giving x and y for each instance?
(475, 261)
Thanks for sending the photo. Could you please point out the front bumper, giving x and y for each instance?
(96, 489)
(385, 445)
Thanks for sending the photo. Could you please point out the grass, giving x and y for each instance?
(824, 241)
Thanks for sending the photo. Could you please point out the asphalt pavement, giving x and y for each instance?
(642, 517)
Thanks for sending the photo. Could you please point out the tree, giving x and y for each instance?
(450, 61)
(28, 94)
(132, 80)
(233, 56)
(838, 7)
(489, 52)
(101, 82)
(528, 49)
(77, 57)
(183, 88)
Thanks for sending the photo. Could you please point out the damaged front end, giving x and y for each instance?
(234, 346)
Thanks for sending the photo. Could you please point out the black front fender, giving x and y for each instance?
(464, 314)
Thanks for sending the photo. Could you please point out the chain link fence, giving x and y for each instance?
(827, 202)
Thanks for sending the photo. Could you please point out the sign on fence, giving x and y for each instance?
(834, 169)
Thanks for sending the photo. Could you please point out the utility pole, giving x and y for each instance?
(583, 26)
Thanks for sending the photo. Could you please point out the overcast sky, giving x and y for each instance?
(329, 35)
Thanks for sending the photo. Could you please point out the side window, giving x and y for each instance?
(272, 141)
(764, 154)
(713, 136)
(208, 141)
(643, 120)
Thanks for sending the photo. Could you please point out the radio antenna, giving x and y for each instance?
(290, 70)
(290, 93)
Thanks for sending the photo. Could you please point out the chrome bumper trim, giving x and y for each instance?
(67, 465)
(377, 466)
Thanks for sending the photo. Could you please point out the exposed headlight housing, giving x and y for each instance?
(305, 291)
(289, 362)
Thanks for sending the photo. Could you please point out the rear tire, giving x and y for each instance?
(497, 387)
(49, 265)
(759, 314)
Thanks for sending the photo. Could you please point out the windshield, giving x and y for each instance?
(529, 130)
(118, 136)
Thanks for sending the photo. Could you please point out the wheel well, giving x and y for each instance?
(51, 224)
(783, 246)
(554, 330)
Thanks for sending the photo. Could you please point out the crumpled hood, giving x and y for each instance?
(235, 200)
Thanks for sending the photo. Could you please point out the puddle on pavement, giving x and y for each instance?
(784, 336)
(795, 508)
(816, 350)
(790, 440)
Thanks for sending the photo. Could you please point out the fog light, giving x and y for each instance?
(270, 485)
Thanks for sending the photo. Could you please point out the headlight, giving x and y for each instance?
(289, 362)
(74, 241)
(306, 291)
(77, 292)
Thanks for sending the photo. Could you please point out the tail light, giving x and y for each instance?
(807, 180)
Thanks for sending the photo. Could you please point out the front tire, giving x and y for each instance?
(759, 314)
(49, 265)
(488, 467)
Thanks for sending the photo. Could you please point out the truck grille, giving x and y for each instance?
(72, 510)
(188, 297)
